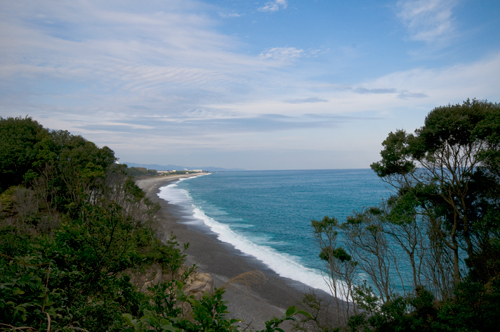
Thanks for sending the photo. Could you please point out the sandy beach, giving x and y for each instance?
(254, 304)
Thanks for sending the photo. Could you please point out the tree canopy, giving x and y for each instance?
(450, 167)
(21, 139)
(436, 239)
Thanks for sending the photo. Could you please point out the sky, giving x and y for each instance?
(258, 85)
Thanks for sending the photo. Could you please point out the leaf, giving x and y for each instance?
(305, 313)
(290, 311)
(129, 319)
(169, 328)
(17, 291)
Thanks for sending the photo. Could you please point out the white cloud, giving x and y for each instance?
(229, 15)
(415, 89)
(306, 100)
(135, 52)
(428, 20)
(273, 6)
(282, 54)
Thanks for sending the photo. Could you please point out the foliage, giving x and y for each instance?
(320, 317)
(21, 143)
(290, 315)
(449, 166)
(442, 224)
(73, 225)
(141, 171)
(70, 225)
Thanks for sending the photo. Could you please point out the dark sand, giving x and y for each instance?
(253, 305)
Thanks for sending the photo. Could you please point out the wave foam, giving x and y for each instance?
(284, 265)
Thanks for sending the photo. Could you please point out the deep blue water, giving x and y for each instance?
(267, 214)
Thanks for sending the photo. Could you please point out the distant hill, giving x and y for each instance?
(179, 168)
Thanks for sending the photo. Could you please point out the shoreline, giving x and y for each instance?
(253, 304)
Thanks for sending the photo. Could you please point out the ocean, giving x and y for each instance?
(267, 214)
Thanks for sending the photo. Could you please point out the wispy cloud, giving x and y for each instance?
(402, 94)
(428, 20)
(306, 100)
(229, 15)
(282, 54)
(377, 91)
(205, 126)
(407, 95)
(420, 88)
(273, 6)
(168, 61)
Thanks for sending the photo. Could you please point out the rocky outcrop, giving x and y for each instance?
(199, 283)
(196, 284)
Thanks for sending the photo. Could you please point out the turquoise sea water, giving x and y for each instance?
(267, 214)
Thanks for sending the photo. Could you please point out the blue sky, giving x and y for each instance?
(279, 84)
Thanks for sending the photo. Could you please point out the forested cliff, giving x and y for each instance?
(74, 229)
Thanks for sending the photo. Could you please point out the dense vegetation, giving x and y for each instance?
(140, 171)
(427, 258)
(73, 228)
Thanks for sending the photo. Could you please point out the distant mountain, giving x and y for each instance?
(180, 168)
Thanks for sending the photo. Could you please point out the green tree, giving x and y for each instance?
(20, 144)
(449, 166)
(445, 210)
